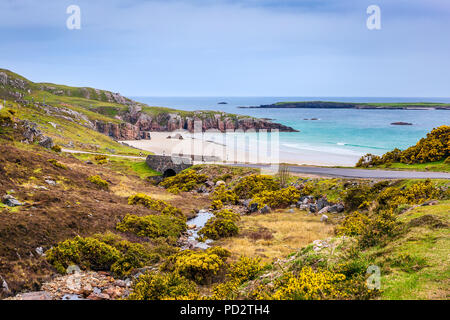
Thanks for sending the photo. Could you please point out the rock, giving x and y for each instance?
(120, 283)
(50, 182)
(39, 251)
(202, 189)
(304, 207)
(265, 209)
(220, 182)
(312, 207)
(46, 142)
(291, 211)
(37, 295)
(10, 201)
(336, 208)
(324, 210)
(430, 203)
(5, 286)
(253, 207)
(191, 226)
(89, 162)
(324, 218)
(400, 123)
(209, 183)
(322, 203)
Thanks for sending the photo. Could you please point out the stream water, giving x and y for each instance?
(199, 221)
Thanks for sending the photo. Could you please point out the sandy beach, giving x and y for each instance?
(231, 148)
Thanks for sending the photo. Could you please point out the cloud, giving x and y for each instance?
(234, 47)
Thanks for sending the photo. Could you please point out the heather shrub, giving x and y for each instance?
(99, 182)
(157, 205)
(248, 186)
(153, 226)
(160, 286)
(184, 181)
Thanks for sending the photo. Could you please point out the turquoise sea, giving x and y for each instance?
(339, 137)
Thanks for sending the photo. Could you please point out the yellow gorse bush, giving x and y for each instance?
(223, 224)
(97, 180)
(199, 266)
(184, 181)
(435, 147)
(224, 195)
(278, 198)
(248, 186)
(306, 285)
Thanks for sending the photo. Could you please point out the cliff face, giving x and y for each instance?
(138, 124)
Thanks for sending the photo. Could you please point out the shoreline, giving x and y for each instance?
(237, 151)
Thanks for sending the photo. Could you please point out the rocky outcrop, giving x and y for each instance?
(139, 124)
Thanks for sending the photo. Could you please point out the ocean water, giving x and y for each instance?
(339, 136)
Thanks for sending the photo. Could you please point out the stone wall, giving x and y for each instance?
(164, 163)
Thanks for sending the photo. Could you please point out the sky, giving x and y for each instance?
(232, 47)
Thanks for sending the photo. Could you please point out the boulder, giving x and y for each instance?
(336, 208)
(220, 182)
(322, 203)
(209, 183)
(46, 142)
(265, 209)
(10, 201)
(324, 218)
(324, 210)
(312, 207)
(253, 207)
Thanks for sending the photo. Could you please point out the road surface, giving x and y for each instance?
(360, 173)
(326, 171)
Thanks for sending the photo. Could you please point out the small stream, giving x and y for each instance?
(199, 221)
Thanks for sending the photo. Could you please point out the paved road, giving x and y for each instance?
(327, 171)
(361, 173)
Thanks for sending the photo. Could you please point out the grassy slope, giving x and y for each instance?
(427, 274)
(437, 166)
(82, 137)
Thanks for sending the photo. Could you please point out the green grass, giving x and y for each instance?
(127, 166)
(425, 273)
(437, 166)
(138, 167)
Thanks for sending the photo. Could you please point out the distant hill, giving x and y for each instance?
(354, 105)
(112, 114)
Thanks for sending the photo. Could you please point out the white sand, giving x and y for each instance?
(231, 149)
